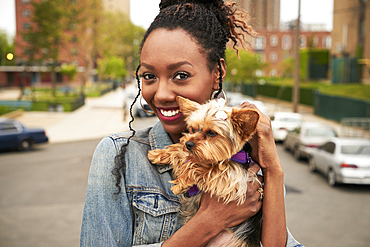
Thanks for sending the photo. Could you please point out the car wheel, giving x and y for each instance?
(312, 165)
(297, 153)
(332, 179)
(25, 145)
(142, 114)
(285, 145)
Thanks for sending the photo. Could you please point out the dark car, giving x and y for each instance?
(13, 135)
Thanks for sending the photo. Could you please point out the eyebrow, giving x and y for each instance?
(171, 66)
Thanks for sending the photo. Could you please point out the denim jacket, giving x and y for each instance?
(146, 211)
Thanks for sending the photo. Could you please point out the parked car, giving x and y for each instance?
(236, 99)
(283, 122)
(307, 137)
(137, 110)
(343, 160)
(13, 135)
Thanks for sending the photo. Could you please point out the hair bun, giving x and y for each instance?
(165, 3)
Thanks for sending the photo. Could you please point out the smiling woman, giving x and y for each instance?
(129, 200)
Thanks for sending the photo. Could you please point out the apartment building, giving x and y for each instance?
(351, 41)
(275, 46)
(264, 14)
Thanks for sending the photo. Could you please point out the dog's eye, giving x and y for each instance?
(191, 130)
(211, 133)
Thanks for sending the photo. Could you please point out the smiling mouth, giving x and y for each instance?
(170, 113)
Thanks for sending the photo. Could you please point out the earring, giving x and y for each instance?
(221, 94)
(150, 111)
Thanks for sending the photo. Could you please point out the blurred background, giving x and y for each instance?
(67, 80)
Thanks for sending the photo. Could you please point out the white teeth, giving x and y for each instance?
(169, 113)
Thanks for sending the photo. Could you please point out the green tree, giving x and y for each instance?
(69, 70)
(52, 23)
(287, 67)
(5, 47)
(120, 37)
(242, 68)
(113, 68)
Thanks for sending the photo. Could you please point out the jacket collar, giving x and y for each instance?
(159, 139)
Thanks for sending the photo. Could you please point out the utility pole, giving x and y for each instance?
(296, 74)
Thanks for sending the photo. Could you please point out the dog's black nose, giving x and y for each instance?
(189, 145)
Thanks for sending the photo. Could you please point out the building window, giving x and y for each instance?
(274, 40)
(72, 26)
(326, 42)
(74, 51)
(74, 39)
(259, 73)
(273, 73)
(273, 57)
(286, 42)
(26, 13)
(26, 26)
(259, 43)
(26, 1)
(260, 56)
(315, 41)
(302, 41)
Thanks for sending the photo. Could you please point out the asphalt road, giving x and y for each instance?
(42, 194)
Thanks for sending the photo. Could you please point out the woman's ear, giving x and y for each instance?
(217, 73)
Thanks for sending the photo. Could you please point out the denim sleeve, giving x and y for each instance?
(291, 242)
(107, 219)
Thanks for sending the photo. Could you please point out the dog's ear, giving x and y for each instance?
(187, 106)
(244, 121)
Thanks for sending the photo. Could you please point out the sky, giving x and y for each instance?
(143, 12)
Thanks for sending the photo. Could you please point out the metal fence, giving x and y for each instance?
(355, 127)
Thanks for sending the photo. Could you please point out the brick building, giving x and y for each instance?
(264, 14)
(351, 41)
(275, 46)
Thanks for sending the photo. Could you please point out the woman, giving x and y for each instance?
(129, 201)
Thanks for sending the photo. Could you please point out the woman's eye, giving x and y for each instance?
(181, 76)
(148, 76)
(211, 133)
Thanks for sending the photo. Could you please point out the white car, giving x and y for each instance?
(236, 99)
(343, 160)
(282, 122)
(306, 138)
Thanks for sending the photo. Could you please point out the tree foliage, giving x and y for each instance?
(118, 36)
(69, 70)
(242, 68)
(112, 68)
(5, 47)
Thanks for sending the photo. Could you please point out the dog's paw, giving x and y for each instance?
(159, 156)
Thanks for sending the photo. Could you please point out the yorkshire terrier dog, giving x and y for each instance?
(210, 158)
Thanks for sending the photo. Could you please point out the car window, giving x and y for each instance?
(356, 149)
(290, 120)
(6, 128)
(320, 132)
(329, 147)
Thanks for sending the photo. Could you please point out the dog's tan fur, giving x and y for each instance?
(208, 163)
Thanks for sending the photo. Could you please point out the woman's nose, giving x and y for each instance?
(164, 93)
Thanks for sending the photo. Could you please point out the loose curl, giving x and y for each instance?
(212, 24)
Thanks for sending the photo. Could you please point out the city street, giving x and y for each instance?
(42, 195)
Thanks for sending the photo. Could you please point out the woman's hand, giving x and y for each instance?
(264, 150)
(231, 214)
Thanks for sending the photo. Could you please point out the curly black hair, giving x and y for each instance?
(212, 24)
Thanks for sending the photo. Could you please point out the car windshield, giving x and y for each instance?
(356, 149)
(290, 120)
(320, 132)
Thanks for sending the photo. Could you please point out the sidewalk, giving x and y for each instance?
(104, 115)
(96, 119)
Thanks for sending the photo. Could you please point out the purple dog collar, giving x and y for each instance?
(242, 157)
(192, 191)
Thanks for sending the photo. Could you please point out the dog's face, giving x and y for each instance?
(215, 132)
